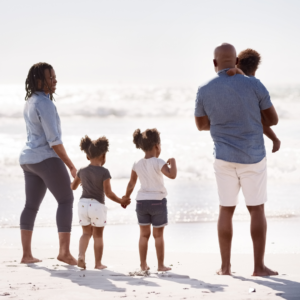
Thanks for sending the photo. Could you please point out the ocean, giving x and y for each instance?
(116, 111)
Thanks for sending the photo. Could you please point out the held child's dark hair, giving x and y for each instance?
(94, 148)
(249, 61)
(146, 140)
(37, 72)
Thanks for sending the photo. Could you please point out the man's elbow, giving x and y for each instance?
(273, 122)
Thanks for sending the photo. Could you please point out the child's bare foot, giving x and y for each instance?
(224, 271)
(163, 268)
(264, 271)
(68, 259)
(144, 267)
(29, 260)
(100, 267)
(81, 262)
(276, 145)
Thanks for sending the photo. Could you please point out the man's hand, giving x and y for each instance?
(125, 201)
(234, 71)
(276, 145)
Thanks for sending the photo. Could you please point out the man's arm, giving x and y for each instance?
(269, 116)
(202, 123)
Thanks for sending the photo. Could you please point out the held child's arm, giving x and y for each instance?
(233, 71)
(131, 184)
(75, 183)
(272, 136)
(171, 171)
(111, 195)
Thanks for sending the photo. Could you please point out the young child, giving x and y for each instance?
(151, 202)
(249, 61)
(95, 180)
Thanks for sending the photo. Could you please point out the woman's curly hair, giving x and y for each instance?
(37, 72)
(249, 61)
(146, 140)
(94, 148)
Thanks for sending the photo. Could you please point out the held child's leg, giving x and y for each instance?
(87, 232)
(145, 232)
(158, 234)
(98, 247)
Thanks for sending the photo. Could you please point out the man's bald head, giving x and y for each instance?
(225, 57)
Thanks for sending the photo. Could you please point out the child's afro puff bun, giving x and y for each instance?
(146, 140)
(94, 148)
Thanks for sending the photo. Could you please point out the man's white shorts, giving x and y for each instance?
(91, 212)
(252, 178)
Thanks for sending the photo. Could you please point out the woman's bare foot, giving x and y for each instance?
(81, 262)
(144, 267)
(68, 259)
(264, 271)
(163, 268)
(224, 271)
(100, 267)
(29, 260)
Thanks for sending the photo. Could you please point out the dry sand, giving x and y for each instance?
(193, 277)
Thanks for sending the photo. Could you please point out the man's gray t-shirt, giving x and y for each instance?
(92, 178)
(233, 105)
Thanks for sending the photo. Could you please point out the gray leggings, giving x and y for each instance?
(52, 174)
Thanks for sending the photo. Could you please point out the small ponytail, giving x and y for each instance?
(85, 143)
(94, 148)
(137, 138)
(146, 140)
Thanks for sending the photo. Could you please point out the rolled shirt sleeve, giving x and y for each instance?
(49, 119)
(263, 96)
(199, 107)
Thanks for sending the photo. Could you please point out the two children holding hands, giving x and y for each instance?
(151, 202)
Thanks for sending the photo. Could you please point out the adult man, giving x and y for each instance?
(233, 109)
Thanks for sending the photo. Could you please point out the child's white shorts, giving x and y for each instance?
(91, 212)
(252, 178)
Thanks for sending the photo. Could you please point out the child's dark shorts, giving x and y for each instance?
(152, 212)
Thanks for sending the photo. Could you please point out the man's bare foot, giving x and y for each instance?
(29, 260)
(100, 267)
(68, 259)
(145, 267)
(224, 271)
(81, 262)
(264, 271)
(163, 268)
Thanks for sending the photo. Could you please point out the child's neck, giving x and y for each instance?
(151, 153)
(96, 162)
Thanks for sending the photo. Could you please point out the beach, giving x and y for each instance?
(191, 252)
(191, 237)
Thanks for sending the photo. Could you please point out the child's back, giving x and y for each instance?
(92, 178)
(151, 178)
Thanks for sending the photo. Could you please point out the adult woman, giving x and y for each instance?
(42, 160)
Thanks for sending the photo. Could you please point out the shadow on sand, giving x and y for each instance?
(283, 288)
(103, 280)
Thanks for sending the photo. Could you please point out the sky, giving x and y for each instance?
(146, 42)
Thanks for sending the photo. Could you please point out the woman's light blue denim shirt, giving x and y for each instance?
(43, 129)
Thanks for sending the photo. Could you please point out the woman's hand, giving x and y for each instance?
(73, 171)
